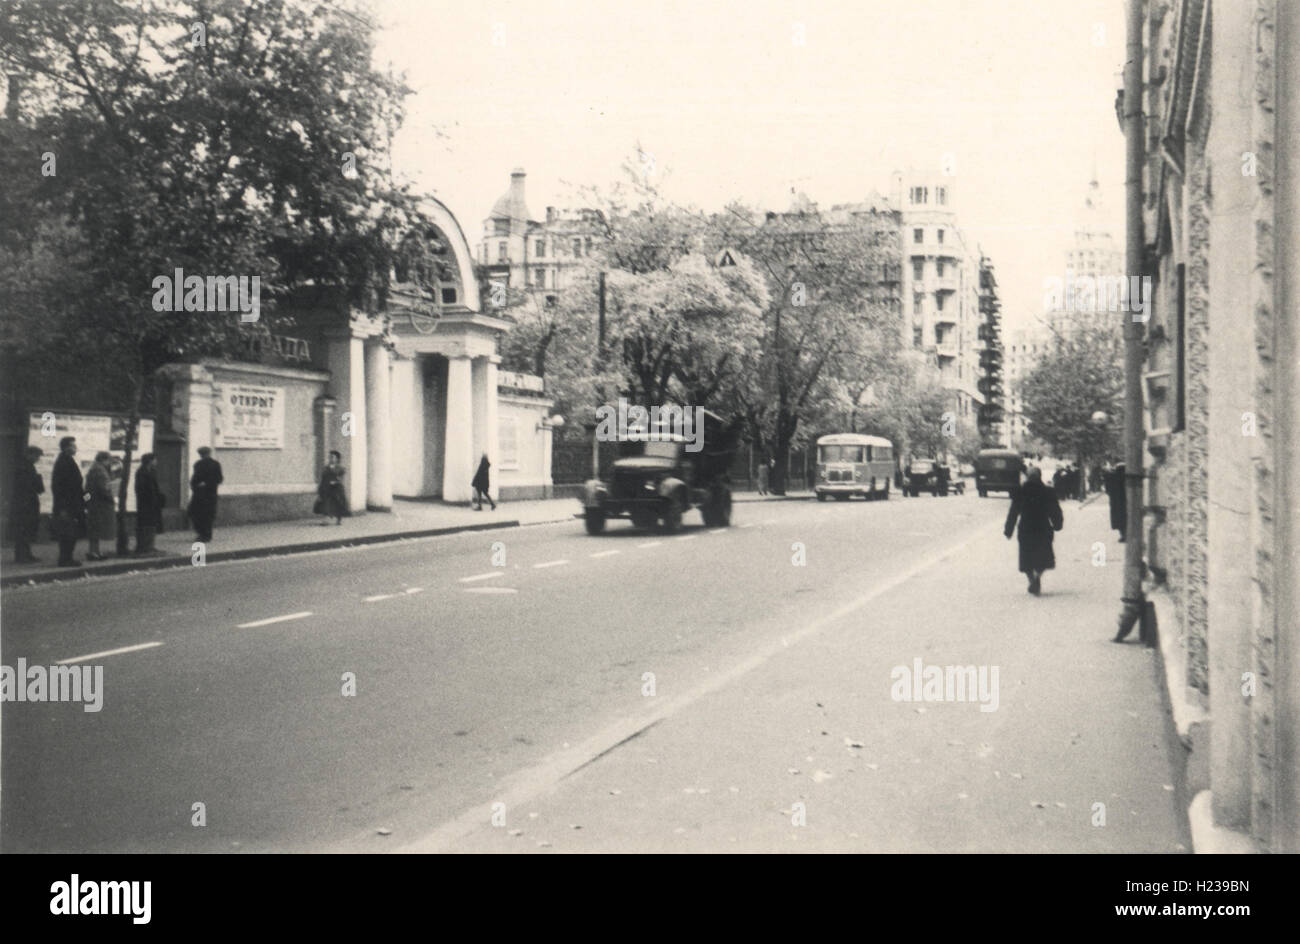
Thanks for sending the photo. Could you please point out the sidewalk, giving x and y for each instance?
(408, 519)
(804, 748)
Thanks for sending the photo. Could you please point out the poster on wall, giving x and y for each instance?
(507, 443)
(94, 433)
(247, 417)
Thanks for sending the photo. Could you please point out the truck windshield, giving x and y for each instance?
(661, 450)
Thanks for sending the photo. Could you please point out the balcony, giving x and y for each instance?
(948, 282)
(947, 316)
(948, 349)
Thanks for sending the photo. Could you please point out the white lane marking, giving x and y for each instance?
(554, 563)
(109, 652)
(415, 589)
(749, 525)
(717, 531)
(274, 619)
(381, 596)
(523, 785)
(650, 544)
(487, 576)
(491, 590)
(604, 553)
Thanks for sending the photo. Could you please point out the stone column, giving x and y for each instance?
(491, 437)
(379, 429)
(458, 459)
(347, 384)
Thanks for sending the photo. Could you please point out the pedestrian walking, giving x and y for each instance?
(203, 493)
(764, 477)
(1039, 512)
(25, 505)
(101, 519)
(149, 503)
(481, 485)
(1115, 491)
(68, 518)
(331, 500)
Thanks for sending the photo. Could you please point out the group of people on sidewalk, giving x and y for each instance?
(86, 505)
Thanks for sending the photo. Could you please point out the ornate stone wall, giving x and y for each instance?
(1195, 529)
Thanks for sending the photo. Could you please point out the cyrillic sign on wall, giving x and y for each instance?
(247, 417)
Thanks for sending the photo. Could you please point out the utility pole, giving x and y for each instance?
(600, 366)
(1134, 130)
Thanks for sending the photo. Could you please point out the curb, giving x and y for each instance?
(280, 550)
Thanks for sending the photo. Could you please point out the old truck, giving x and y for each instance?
(655, 482)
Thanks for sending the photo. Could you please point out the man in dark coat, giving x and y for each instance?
(1118, 496)
(203, 488)
(481, 485)
(25, 505)
(148, 505)
(67, 489)
(1039, 512)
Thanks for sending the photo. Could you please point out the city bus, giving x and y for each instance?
(851, 464)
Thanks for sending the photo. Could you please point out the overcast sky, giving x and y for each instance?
(749, 100)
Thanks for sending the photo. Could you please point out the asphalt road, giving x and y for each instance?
(468, 676)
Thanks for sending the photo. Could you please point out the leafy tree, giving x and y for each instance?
(1080, 375)
(217, 137)
(827, 315)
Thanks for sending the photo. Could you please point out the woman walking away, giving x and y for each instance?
(481, 485)
(101, 523)
(331, 500)
(764, 476)
(1039, 512)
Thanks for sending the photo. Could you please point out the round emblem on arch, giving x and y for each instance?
(425, 322)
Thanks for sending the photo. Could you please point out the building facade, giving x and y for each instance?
(941, 287)
(1222, 393)
(411, 396)
(533, 256)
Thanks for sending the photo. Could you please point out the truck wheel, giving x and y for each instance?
(595, 521)
(821, 496)
(671, 522)
(984, 493)
(885, 495)
(722, 508)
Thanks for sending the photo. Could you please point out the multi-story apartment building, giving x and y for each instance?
(1022, 349)
(533, 255)
(940, 287)
(1094, 263)
(992, 382)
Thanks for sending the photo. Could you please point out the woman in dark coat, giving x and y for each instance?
(101, 519)
(25, 505)
(331, 500)
(481, 485)
(148, 505)
(1039, 512)
(203, 493)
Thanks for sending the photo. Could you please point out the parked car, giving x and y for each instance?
(998, 470)
(657, 482)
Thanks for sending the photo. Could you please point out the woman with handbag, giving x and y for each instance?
(331, 500)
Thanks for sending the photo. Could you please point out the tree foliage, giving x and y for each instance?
(1080, 375)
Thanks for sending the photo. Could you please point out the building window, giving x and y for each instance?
(541, 248)
(920, 194)
(917, 303)
(577, 247)
(501, 227)
(941, 198)
(918, 269)
(539, 277)
(588, 247)
(916, 336)
(938, 234)
(918, 235)
(501, 252)
(938, 301)
(449, 295)
(938, 268)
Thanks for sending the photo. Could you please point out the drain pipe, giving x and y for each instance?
(1134, 131)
